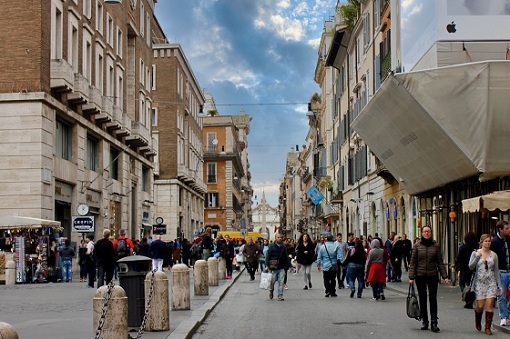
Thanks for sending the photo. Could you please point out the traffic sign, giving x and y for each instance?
(244, 232)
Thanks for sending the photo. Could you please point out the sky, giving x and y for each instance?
(258, 56)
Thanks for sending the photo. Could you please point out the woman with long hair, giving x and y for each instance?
(426, 268)
(356, 260)
(486, 283)
(305, 257)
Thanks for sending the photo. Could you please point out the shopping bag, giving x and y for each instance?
(412, 306)
(265, 280)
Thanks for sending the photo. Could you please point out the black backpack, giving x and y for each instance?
(122, 248)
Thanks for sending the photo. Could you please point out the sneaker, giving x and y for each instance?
(503, 322)
(327, 295)
(285, 286)
(334, 295)
(280, 298)
(270, 294)
(383, 297)
(305, 288)
(373, 299)
(310, 284)
(352, 294)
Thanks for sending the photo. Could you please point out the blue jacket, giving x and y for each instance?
(326, 261)
(498, 247)
(158, 249)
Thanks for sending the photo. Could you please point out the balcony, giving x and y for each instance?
(61, 76)
(95, 102)
(331, 211)
(185, 174)
(125, 128)
(140, 135)
(116, 121)
(81, 92)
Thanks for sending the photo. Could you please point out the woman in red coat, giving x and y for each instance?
(375, 268)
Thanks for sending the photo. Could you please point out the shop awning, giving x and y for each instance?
(437, 126)
(17, 222)
(499, 200)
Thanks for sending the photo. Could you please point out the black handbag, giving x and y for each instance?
(468, 294)
(412, 306)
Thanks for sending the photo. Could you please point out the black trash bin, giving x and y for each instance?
(132, 272)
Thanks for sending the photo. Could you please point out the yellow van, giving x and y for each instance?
(237, 235)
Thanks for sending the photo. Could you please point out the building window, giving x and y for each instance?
(141, 113)
(148, 30)
(154, 117)
(142, 72)
(110, 79)
(145, 179)
(63, 142)
(92, 153)
(87, 57)
(142, 19)
(119, 42)
(212, 200)
(119, 94)
(211, 143)
(57, 29)
(211, 172)
(99, 17)
(114, 164)
(87, 8)
(153, 78)
(109, 30)
(99, 68)
(72, 52)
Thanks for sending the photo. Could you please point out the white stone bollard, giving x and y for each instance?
(201, 277)
(222, 268)
(7, 331)
(180, 287)
(212, 267)
(116, 321)
(158, 318)
(10, 273)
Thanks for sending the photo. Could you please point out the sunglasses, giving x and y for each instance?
(486, 265)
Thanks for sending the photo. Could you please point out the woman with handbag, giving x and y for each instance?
(486, 282)
(425, 266)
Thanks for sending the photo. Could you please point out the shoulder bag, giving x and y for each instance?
(412, 306)
(273, 263)
(334, 266)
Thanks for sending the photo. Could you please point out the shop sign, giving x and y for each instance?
(159, 229)
(83, 224)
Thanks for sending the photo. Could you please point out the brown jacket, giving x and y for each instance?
(427, 261)
(251, 252)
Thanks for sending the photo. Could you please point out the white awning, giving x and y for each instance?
(499, 200)
(17, 222)
(437, 126)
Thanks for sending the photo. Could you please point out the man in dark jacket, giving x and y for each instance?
(157, 252)
(500, 244)
(67, 254)
(277, 259)
(105, 259)
(251, 253)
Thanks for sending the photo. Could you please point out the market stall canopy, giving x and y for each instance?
(499, 200)
(16, 222)
(437, 126)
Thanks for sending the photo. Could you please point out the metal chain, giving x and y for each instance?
(104, 310)
(147, 307)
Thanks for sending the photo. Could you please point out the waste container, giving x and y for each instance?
(132, 272)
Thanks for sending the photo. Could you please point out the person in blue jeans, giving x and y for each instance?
(500, 245)
(356, 268)
(67, 254)
(277, 253)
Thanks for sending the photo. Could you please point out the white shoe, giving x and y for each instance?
(503, 322)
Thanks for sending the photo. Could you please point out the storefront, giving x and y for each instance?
(35, 244)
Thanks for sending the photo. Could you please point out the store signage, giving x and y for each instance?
(315, 195)
(159, 229)
(83, 224)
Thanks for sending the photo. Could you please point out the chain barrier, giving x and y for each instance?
(104, 310)
(147, 307)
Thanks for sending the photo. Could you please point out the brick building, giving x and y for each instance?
(75, 111)
(177, 130)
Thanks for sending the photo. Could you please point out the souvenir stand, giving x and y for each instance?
(28, 240)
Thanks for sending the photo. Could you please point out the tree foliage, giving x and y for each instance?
(350, 12)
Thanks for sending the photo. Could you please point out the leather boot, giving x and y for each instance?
(478, 319)
(488, 322)
(425, 324)
(433, 325)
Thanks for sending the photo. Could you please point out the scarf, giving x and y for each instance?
(427, 242)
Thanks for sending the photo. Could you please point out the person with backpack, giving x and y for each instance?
(123, 246)
(196, 250)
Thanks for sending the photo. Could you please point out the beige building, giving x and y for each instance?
(75, 105)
